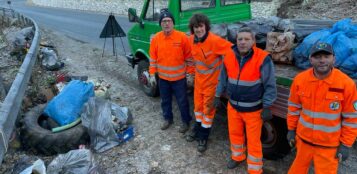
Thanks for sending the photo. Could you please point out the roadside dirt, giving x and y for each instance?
(152, 150)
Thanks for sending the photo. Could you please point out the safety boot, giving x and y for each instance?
(184, 127)
(233, 164)
(166, 125)
(191, 136)
(202, 146)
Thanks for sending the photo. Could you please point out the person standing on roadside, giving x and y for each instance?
(208, 50)
(322, 114)
(170, 59)
(248, 79)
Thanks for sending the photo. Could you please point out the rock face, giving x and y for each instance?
(259, 9)
(106, 6)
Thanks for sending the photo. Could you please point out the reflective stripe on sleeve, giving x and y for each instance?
(349, 114)
(294, 104)
(294, 113)
(352, 125)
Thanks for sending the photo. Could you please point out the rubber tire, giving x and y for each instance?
(44, 141)
(143, 65)
(280, 147)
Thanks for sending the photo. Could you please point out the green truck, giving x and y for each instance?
(219, 12)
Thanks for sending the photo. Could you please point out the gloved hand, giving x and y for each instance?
(152, 80)
(342, 152)
(266, 114)
(190, 80)
(291, 138)
(217, 102)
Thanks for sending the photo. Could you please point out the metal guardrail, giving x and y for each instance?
(11, 106)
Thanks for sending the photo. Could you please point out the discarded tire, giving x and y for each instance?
(43, 140)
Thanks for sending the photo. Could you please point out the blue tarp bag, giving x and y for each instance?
(66, 107)
(302, 52)
(341, 46)
(350, 66)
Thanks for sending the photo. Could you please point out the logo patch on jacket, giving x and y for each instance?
(355, 105)
(334, 106)
(176, 44)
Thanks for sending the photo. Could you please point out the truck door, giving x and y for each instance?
(218, 11)
(150, 25)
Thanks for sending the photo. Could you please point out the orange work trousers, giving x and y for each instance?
(204, 109)
(323, 158)
(252, 123)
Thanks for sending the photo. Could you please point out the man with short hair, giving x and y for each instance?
(322, 114)
(170, 58)
(208, 50)
(248, 79)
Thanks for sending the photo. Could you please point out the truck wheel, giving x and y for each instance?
(43, 140)
(273, 139)
(143, 77)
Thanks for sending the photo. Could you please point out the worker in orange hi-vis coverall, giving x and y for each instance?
(322, 114)
(207, 50)
(171, 60)
(248, 78)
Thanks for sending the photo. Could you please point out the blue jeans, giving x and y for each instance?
(179, 89)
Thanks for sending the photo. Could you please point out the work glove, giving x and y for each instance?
(291, 138)
(190, 80)
(152, 80)
(217, 102)
(266, 114)
(342, 152)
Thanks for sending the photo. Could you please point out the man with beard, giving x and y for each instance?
(322, 114)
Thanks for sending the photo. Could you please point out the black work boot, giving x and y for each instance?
(184, 127)
(166, 125)
(233, 164)
(202, 146)
(191, 136)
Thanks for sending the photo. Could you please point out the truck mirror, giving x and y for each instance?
(133, 17)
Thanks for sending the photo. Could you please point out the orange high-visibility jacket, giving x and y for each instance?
(169, 55)
(245, 88)
(323, 112)
(208, 60)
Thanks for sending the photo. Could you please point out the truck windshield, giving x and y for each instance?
(154, 8)
(230, 2)
(197, 4)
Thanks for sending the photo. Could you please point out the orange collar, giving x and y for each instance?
(328, 80)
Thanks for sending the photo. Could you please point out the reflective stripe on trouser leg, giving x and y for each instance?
(208, 110)
(253, 126)
(198, 105)
(236, 134)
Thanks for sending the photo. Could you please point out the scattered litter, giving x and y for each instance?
(97, 117)
(74, 162)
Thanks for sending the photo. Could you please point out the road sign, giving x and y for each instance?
(112, 29)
